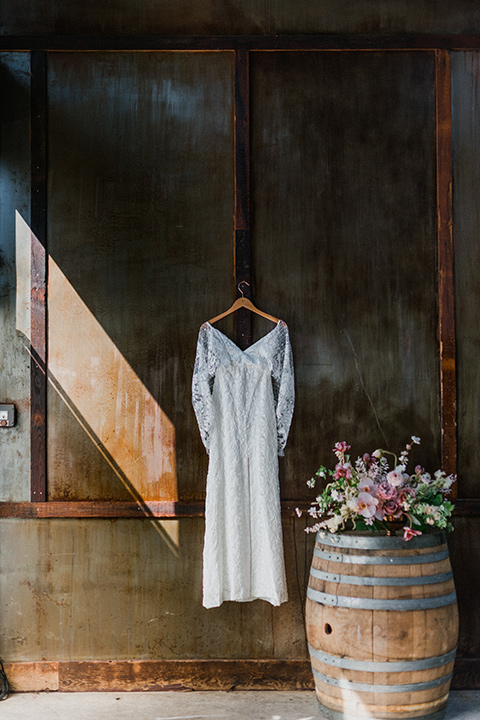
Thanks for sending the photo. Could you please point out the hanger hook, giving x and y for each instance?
(241, 283)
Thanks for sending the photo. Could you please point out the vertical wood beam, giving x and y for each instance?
(446, 297)
(243, 320)
(38, 297)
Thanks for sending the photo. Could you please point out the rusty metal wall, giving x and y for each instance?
(140, 242)
(14, 205)
(466, 186)
(466, 117)
(343, 157)
(102, 589)
(210, 17)
(140, 230)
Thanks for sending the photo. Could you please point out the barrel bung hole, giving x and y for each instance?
(328, 629)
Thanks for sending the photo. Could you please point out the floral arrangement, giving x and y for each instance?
(371, 494)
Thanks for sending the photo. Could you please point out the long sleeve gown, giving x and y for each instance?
(243, 401)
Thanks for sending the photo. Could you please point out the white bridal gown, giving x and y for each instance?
(243, 401)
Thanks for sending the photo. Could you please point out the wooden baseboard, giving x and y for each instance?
(32, 676)
(161, 675)
(158, 675)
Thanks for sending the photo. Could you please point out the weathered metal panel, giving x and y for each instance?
(199, 17)
(466, 155)
(140, 237)
(464, 546)
(14, 202)
(344, 248)
(100, 589)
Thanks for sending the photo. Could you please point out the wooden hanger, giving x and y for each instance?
(243, 302)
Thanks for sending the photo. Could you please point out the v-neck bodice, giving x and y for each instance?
(260, 341)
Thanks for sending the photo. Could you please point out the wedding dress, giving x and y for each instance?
(243, 401)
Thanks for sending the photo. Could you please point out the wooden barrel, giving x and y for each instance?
(382, 625)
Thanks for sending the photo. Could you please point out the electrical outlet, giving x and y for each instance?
(7, 416)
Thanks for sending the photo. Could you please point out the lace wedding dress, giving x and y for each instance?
(243, 401)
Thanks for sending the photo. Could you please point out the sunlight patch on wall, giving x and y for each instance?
(108, 395)
(108, 399)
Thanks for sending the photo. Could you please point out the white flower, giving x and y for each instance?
(448, 482)
(396, 477)
(416, 440)
(333, 523)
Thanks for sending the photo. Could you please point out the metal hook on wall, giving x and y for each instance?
(241, 283)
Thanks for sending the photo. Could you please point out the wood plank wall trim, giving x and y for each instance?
(156, 509)
(242, 252)
(158, 675)
(38, 295)
(446, 290)
(356, 41)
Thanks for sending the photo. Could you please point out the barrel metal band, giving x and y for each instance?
(371, 542)
(382, 559)
(370, 666)
(374, 604)
(366, 687)
(356, 580)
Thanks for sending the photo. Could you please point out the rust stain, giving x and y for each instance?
(108, 399)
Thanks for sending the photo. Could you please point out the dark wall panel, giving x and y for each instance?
(200, 17)
(464, 546)
(466, 154)
(140, 240)
(345, 246)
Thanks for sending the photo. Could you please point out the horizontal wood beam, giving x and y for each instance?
(162, 675)
(164, 509)
(102, 509)
(332, 41)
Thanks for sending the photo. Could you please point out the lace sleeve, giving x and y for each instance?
(202, 385)
(283, 388)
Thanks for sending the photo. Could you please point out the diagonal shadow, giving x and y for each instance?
(109, 402)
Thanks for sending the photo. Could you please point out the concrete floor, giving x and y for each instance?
(249, 705)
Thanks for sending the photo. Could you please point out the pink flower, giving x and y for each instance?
(395, 477)
(391, 508)
(341, 447)
(409, 533)
(386, 491)
(366, 504)
(343, 470)
(406, 495)
(368, 460)
(366, 484)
